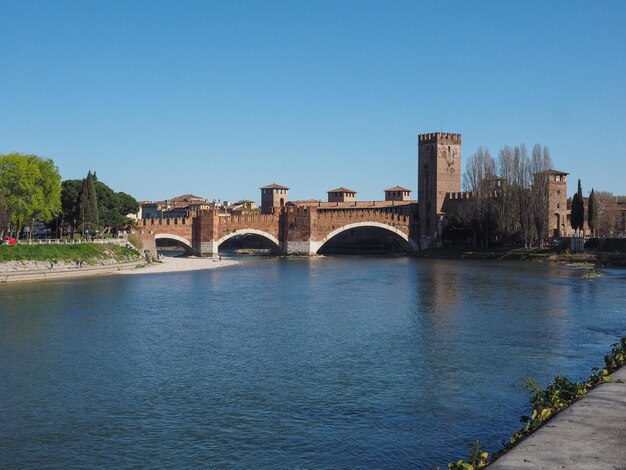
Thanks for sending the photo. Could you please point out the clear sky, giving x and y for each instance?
(218, 98)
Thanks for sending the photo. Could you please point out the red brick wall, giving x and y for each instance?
(180, 226)
(326, 221)
(292, 224)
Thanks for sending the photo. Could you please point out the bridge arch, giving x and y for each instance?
(387, 227)
(251, 231)
(171, 236)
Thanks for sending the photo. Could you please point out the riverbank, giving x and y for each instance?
(169, 265)
(38, 271)
(28, 257)
(42, 271)
(45, 262)
(544, 255)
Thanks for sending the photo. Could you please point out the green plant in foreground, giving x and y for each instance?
(477, 459)
(548, 401)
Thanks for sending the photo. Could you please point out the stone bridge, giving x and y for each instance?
(291, 230)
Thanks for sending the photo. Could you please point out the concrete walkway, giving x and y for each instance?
(589, 435)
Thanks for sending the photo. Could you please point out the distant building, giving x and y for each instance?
(243, 207)
(185, 205)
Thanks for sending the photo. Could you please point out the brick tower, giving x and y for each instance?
(273, 196)
(439, 172)
(557, 203)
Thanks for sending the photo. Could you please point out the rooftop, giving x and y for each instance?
(187, 198)
(273, 186)
(554, 172)
(341, 190)
(397, 188)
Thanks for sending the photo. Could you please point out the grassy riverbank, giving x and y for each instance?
(543, 255)
(88, 252)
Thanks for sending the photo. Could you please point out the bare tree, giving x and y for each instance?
(606, 224)
(508, 207)
(539, 196)
(515, 208)
(522, 183)
(479, 171)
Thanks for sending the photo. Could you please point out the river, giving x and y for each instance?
(291, 363)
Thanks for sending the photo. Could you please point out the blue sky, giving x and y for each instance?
(217, 99)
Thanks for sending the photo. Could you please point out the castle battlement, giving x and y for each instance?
(439, 137)
(249, 218)
(381, 215)
(470, 195)
(163, 221)
(459, 195)
(297, 209)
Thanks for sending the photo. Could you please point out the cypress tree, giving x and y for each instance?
(580, 217)
(592, 216)
(88, 210)
(574, 212)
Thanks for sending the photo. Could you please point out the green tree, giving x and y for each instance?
(578, 210)
(89, 219)
(574, 212)
(30, 188)
(112, 207)
(592, 209)
(128, 204)
(70, 202)
(580, 216)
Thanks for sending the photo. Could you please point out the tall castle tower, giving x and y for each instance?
(557, 203)
(439, 172)
(273, 196)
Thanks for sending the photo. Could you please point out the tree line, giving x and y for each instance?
(90, 206)
(510, 199)
(31, 190)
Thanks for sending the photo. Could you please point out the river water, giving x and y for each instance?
(291, 363)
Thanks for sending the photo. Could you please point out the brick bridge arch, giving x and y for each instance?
(367, 224)
(171, 236)
(299, 230)
(250, 231)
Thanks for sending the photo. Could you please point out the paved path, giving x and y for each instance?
(589, 435)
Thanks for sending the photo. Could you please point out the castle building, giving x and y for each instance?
(557, 203)
(439, 188)
(273, 196)
(439, 173)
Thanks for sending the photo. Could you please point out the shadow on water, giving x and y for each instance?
(365, 241)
